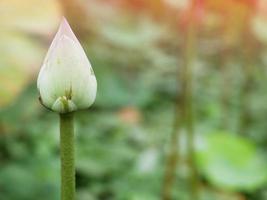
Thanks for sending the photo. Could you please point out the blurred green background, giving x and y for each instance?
(181, 107)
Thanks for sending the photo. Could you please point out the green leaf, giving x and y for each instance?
(232, 162)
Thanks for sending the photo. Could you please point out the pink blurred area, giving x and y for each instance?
(27, 27)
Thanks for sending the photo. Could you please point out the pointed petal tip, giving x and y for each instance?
(64, 20)
(65, 29)
(64, 25)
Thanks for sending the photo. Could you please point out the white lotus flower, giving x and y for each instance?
(66, 81)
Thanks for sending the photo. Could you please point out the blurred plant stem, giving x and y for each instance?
(67, 156)
(172, 157)
(225, 86)
(187, 74)
(184, 113)
(248, 81)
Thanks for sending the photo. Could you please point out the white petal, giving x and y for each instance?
(66, 72)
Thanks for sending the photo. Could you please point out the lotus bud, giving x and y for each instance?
(66, 81)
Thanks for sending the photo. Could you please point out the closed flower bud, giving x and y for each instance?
(66, 81)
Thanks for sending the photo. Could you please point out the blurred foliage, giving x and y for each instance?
(136, 49)
(21, 52)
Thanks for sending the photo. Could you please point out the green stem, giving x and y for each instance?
(190, 56)
(248, 84)
(172, 157)
(67, 156)
(225, 94)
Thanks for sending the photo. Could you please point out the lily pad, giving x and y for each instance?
(232, 162)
